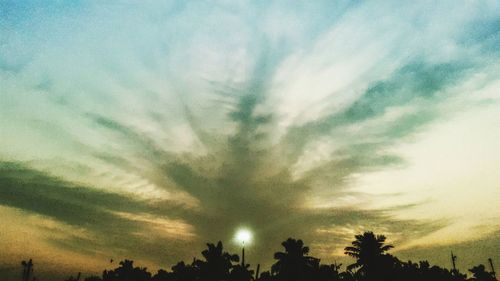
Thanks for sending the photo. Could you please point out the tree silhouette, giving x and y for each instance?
(183, 272)
(241, 273)
(127, 272)
(329, 272)
(294, 263)
(217, 264)
(163, 275)
(480, 274)
(373, 263)
(77, 278)
(369, 250)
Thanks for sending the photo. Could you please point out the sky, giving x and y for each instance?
(143, 130)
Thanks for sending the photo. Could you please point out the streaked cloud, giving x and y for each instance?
(184, 121)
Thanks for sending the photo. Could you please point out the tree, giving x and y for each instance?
(183, 272)
(294, 263)
(93, 278)
(217, 264)
(77, 278)
(127, 272)
(480, 274)
(241, 273)
(329, 272)
(369, 250)
(162, 275)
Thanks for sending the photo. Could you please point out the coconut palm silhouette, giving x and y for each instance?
(369, 250)
(217, 263)
(373, 263)
(294, 263)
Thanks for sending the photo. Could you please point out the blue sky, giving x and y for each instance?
(181, 122)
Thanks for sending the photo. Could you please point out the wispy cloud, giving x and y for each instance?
(196, 118)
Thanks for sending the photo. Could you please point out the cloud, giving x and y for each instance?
(198, 118)
(102, 215)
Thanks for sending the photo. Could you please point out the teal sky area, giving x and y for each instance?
(143, 130)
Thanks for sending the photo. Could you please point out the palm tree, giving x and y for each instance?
(217, 262)
(294, 264)
(369, 251)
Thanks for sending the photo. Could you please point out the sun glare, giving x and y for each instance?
(243, 236)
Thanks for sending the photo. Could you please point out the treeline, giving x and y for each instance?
(373, 263)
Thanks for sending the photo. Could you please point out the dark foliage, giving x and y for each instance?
(372, 263)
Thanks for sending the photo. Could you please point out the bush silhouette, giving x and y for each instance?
(372, 263)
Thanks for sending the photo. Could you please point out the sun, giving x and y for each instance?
(243, 236)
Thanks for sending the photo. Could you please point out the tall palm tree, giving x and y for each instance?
(217, 262)
(368, 249)
(294, 263)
